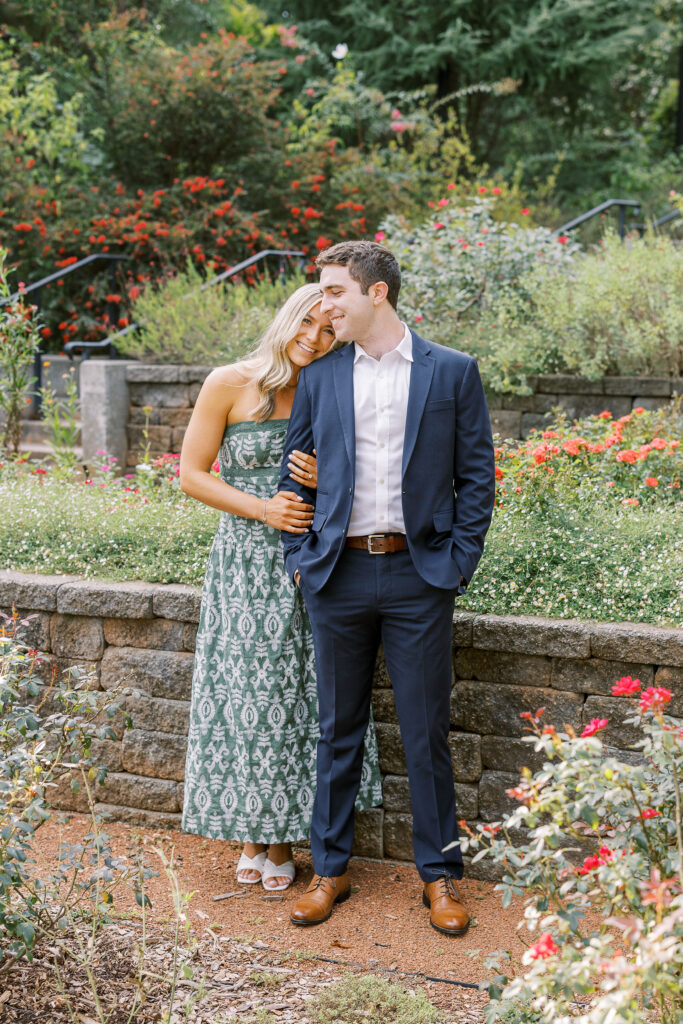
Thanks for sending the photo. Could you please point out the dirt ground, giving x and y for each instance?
(383, 929)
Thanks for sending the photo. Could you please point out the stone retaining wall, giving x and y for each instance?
(164, 396)
(143, 635)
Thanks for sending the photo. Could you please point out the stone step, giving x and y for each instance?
(35, 432)
(42, 452)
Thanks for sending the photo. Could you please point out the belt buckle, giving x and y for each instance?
(371, 537)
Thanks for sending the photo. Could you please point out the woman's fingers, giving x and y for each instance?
(303, 467)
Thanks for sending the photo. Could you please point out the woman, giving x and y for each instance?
(250, 772)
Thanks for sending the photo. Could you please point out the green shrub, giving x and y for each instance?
(373, 1000)
(186, 319)
(616, 310)
(19, 341)
(46, 735)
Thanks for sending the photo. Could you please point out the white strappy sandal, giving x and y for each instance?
(251, 864)
(270, 870)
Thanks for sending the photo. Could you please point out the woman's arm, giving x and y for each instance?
(285, 511)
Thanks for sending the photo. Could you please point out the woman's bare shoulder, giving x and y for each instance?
(235, 375)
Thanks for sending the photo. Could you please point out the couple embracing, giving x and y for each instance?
(384, 499)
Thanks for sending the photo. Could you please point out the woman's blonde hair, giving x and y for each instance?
(269, 366)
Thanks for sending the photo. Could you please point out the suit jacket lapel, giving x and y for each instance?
(343, 386)
(421, 374)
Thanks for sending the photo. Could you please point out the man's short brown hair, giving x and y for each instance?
(367, 263)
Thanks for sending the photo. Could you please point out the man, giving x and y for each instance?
(404, 499)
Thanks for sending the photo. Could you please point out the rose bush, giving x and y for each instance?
(457, 260)
(635, 459)
(599, 867)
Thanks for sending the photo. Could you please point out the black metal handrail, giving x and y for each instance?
(672, 215)
(86, 347)
(622, 204)
(36, 287)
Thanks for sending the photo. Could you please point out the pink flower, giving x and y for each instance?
(654, 698)
(525, 210)
(439, 224)
(652, 481)
(658, 442)
(418, 318)
(496, 191)
(380, 236)
(563, 239)
(630, 501)
(482, 190)
(443, 202)
(451, 185)
(594, 726)
(543, 948)
(625, 685)
(638, 409)
(605, 415)
(650, 812)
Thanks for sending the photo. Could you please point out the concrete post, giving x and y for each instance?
(104, 409)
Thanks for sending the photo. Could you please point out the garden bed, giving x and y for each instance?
(587, 523)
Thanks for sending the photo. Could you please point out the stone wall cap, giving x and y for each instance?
(637, 641)
(563, 383)
(528, 634)
(194, 374)
(650, 386)
(31, 590)
(178, 601)
(124, 600)
(150, 373)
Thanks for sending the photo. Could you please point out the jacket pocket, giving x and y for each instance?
(443, 403)
(319, 517)
(443, 520)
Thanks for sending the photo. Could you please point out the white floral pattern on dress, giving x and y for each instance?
(251, 757)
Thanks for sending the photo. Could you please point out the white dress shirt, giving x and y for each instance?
(380, 404)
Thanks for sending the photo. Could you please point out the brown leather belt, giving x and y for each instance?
(379, 543)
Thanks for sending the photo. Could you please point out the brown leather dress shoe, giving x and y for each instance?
(447, 914)
(317, 903)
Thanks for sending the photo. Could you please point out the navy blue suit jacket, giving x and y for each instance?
(448, 480)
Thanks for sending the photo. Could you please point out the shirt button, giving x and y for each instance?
(381, 444)
(381, 518)
(381, 481)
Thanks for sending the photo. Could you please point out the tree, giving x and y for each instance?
(521, 78)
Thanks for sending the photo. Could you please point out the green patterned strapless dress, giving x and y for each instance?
(250, 771)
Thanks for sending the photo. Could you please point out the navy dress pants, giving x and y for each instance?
(367, 600)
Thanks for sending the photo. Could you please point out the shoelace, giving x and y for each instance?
(319, 881)
(447, 887)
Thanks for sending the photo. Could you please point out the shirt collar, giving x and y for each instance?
(404, 348)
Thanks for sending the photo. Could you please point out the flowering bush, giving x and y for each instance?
(634, 459)
(460, 257)
(600, 872)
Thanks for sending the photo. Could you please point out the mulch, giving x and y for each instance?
(245, 947)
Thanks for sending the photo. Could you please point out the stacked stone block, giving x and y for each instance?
(143, 635)
(168, 393)
(161, 402)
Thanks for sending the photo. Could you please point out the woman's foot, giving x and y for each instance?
(250, 864)
(279, 855)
